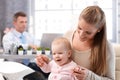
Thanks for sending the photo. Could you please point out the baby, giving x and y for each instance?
(62, 65)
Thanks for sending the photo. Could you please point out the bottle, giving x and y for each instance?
(13, 49)
(19, 47)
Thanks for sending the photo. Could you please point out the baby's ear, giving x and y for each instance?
(69, 53)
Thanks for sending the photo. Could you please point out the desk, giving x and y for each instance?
(9, 56)
(15, 56)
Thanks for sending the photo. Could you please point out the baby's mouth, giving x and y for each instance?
(58, 60)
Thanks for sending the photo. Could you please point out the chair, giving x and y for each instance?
(13, 70)
(117, 69)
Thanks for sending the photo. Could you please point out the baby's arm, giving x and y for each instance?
(46, 68)
(43, 62)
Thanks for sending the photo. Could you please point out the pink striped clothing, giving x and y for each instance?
(60, 72)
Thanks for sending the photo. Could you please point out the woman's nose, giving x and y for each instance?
(82, 34)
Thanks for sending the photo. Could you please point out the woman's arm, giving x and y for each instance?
(84, 74)
(110, 74)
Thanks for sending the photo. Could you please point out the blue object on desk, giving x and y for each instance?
(26, 61)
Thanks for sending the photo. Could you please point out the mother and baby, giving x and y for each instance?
(83, 53)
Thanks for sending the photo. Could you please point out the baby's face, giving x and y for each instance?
(60, 54)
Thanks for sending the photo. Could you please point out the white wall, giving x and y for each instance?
(118, 21)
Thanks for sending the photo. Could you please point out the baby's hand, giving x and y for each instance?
(41, 60)
(46, 59)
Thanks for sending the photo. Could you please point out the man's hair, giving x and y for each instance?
(16, 15)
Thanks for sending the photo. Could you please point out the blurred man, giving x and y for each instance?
(19, 36)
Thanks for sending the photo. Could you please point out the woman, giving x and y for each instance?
(91, 48)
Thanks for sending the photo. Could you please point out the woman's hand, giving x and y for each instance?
(80, 73)
(41, 60)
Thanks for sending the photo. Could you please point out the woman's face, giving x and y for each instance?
(85, 31)
(60, 54)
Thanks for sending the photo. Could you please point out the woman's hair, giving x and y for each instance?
(18, 14)
(94, 15)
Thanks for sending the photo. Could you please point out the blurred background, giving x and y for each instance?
(57, 16)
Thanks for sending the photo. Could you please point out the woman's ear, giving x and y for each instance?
(99, 30)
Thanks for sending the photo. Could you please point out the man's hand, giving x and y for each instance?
(33, 46)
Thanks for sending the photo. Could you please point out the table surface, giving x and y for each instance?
(26, 56)
(13, 57)
(10, 56)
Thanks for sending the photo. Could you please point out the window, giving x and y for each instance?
(58, 16)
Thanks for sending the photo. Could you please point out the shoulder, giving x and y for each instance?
(72, 64)
(109, 46)
(28, 34)
(69, 34)
(8, 35)
(110, 50)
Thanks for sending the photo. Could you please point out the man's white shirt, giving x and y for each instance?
(13, 37)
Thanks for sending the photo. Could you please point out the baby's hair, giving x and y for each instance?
(64, 41)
